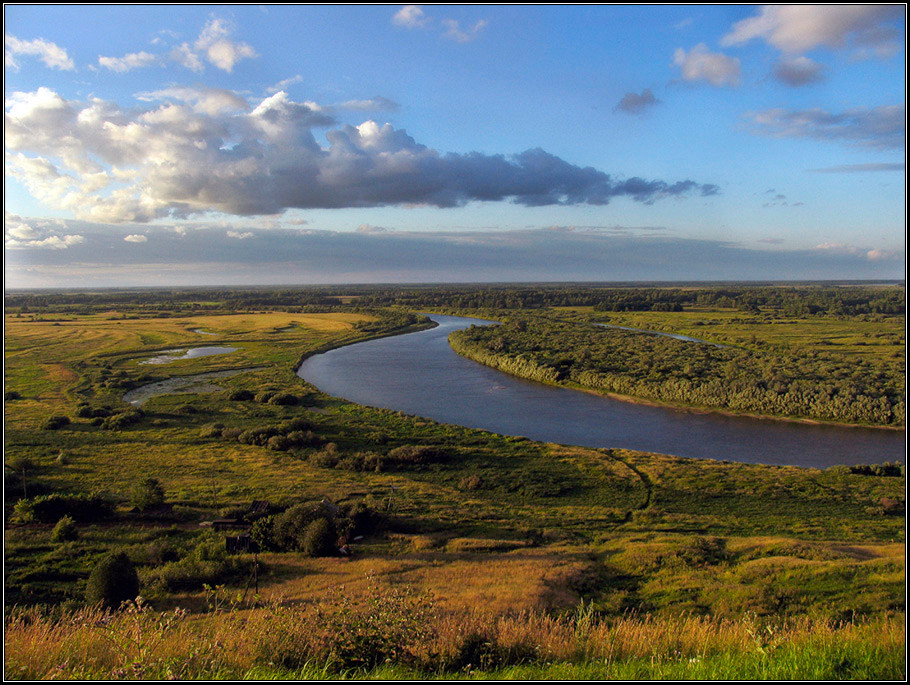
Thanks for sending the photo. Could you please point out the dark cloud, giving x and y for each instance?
(880, 127)
(633, 103)
(799, 71)
(208, 256)
(203, 154)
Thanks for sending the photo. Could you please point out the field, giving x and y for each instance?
(471, 554)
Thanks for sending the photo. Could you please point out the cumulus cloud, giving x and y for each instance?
(799, 71)
(51, 54)
(368, 228)
(410, 17)
(133, 60)
(38, 234)
(456, 33)
(136, 238)
(201, 151)
(700, 64)
(796, 29)
(238, 235)
(879, 127)
(633, 103)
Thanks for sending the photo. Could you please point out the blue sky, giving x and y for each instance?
(150, 145)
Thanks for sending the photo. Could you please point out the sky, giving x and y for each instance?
(290, 145)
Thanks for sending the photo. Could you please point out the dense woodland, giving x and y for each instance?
(823, 299)
(791, 383)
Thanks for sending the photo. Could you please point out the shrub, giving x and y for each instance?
(55, 422)
(279, 443)
(264, 396)
(231, 433)
(213, 430)
(285, 399)
(65, 530)
(51, 508)
(122, 420)
(318, 539)
(11, 395)
(147, 494)
(241, 395)
(472, 482)
(415, 455)
(113, 581)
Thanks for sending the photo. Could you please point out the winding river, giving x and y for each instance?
(418, 373)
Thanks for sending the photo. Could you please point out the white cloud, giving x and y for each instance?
(184, 56)
(219, 49)
(410, 17)
(284, 84)
(796, 29)
(133, 60)
(204, 150)
(699, 64)
(238, 235)
(454, 31)
(136, 238)
(51, 54)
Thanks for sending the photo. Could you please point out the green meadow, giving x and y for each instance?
(467, 554)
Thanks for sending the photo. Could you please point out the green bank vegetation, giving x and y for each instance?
(392, 546)
(735, 371)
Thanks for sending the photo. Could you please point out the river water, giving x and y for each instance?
(418, 373)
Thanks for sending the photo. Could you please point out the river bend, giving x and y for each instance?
(420, 374)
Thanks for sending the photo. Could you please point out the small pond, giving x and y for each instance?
(169, 356)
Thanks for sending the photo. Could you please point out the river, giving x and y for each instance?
(420, 374)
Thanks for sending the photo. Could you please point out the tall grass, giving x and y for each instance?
(394, 633)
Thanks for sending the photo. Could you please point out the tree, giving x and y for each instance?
(318, 539)
(113, 581)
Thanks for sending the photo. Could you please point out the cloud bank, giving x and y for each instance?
(196, 150)
(882, 128)
(215, 256)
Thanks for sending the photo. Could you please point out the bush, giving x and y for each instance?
(122, 420)
(55, 422)
(51, 508)
(147, 494)
(113, 581)
(264, 396)
(65, 530)
(11, 395)
(285, 398)
(241, 395)
(318, 539)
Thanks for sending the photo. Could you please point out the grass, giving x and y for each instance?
(588, 563)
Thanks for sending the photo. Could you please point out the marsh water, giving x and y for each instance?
(169, 356)
(420, 374)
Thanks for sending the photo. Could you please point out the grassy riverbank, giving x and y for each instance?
(587, 563)
(793, 381)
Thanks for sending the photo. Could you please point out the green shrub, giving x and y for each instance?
(241, 395)
(264, 396)
(147, 494)
(123, 419)
(55, 422)
(285, 399)
(318, 539)
(65, 530)
(113, 581)
(53, 507)
(11, 395)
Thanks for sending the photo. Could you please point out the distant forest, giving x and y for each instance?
(786, 300)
